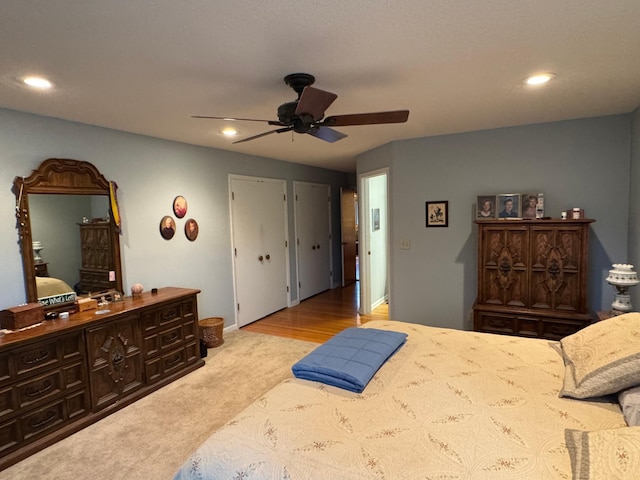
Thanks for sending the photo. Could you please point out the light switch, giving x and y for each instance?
(405, 244)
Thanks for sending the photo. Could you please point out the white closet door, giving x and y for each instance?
(258, 216)
(313, 238)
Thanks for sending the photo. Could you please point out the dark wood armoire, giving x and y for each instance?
(532, 277)
(97, 258)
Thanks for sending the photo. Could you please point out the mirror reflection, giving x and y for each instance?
(65, 259)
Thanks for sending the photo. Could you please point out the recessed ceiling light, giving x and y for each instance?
(229, 132)
(38, 82)
(539, 79)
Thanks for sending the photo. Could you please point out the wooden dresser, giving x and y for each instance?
(63, 375)
(97, 257)
(532, 277)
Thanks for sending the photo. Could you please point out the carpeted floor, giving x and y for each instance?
(151, 438)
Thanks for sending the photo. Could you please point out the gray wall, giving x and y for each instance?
(580, 163)
(150, 173)
(634, 205)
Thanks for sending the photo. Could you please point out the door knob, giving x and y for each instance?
(260, 258)
(268, 257)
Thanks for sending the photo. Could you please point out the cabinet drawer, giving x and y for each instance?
(42, 420)
(38, 388)
(9, 436)
(29, 360)
(495, 323)
(174, 360)
(162, 317)
(6, 365)
(558, 329)
(50, 384)
(7, 402)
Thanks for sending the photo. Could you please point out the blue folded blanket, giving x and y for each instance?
(351, 358)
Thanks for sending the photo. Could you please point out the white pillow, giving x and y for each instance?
(602, 358)
(604, 454)
(630, 403)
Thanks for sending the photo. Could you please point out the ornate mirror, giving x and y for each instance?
(68, 236)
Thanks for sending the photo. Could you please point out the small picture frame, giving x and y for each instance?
(508, 205)
(375, 219)
(486, 207)
(180, 206)
(530, 205)
(167, 227)
(191, 229)
(437, 213)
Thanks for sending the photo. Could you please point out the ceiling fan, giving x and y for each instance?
(306, 113)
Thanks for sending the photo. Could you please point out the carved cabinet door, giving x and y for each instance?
(556, 259)
(115, 360)
(504, 258)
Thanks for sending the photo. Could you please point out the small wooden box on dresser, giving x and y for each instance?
(532, 277)
(63, 375)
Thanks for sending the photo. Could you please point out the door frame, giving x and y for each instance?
(364, 225)
(231, 177)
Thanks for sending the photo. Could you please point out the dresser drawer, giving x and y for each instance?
(495, 323)
(42, 420)
(9, 436)
(170, 362)
(161, 318)
(7, 402)
(48, 354)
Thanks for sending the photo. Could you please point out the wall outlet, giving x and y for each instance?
(405, 244)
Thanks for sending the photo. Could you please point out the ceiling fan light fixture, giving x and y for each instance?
(539, 79)
(40, 83)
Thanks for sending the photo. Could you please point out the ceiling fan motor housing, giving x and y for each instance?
(287, 116)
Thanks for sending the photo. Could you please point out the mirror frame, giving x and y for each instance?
(64, 177)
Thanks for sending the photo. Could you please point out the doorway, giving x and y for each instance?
(373, 236)
(349, 239)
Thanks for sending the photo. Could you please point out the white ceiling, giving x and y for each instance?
(146, 66)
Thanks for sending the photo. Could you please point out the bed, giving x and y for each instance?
(53, 291)
(449, 404)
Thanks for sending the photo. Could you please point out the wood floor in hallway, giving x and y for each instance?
(318, 318)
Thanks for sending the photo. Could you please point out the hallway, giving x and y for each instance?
(318, 318)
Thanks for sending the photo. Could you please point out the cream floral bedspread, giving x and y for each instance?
(448, 405)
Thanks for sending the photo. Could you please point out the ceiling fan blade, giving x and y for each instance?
(314, 102)
(270, 122)
(327, 134)
(397, 116)
(277, 130)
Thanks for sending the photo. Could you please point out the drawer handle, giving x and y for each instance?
(170, 338)
(554, 269)
(35, 423)
(35, 392)
(169, 314)
(505, 267)
(176, 359)
(30, 359)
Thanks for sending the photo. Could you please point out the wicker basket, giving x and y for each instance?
(211, 331)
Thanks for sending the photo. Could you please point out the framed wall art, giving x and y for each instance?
(375, 219)
(191, 229)
(437, 214)
(167, 227)
(180, 206)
